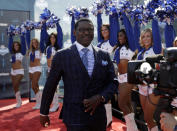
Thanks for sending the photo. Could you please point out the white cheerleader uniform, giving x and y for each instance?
(36, 68)
(19, 57)
(144, 89)
(124, 54)
(107, 47)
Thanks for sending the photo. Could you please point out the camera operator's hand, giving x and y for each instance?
(92, 103)
(168, 122)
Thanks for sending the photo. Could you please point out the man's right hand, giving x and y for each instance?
(92, 103)
(44, 120)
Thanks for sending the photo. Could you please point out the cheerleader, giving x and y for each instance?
(124, 51)
(35, 69)
(105, 44)
(54, 43)
(51, 50)
(105, 37)
(150, 46)
(17, 71)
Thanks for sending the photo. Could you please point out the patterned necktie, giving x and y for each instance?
(84, 57)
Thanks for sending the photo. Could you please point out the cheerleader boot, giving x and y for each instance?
(130, 122)
(18, 99)
(38, 100)
(55, 103)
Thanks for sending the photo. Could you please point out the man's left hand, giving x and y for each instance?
(92, 103)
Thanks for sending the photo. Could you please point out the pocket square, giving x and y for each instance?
(104, 63)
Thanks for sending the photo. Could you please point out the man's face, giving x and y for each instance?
(84, 33)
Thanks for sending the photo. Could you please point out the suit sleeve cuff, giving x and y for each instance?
(104, 98)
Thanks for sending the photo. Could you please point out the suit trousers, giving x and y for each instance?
(86, 128)
(93, 125)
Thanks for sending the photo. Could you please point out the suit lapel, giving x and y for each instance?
(95, 51)
(78, 60)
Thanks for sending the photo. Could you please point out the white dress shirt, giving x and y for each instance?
(107, 47)
(90, 56)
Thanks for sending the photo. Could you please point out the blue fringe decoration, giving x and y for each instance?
(59, 36)
(32, 56)
(13, 58)
(43, 37)
(49, 52)
(169, 35)
(73, 38)
(10, 43)
(114, 29)
(137, 35)
(99, 24)
(157, 46)
(129, 32)
(23, 44)
(117, 56)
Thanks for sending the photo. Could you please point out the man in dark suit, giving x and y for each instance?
(89, 82)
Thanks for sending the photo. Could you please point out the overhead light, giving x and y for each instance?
(3, 24)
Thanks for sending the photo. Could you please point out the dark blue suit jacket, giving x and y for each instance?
(78, 85)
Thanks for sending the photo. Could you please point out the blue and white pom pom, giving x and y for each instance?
(22, 29)
(10, 30)
(84, 12)
(54, 18)
(17, 30)
(110, 7)
(149, 12)
(154, 4)
(168, 11)
(51, 23)
(37, 25)
(29, 25)
(137, 14)
(45, 15)
(77, 12)
(97, 7)
(125, 6)
(70, 11)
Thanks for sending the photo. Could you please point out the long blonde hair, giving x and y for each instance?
(143, 33)
(175, 40)
(31, 44)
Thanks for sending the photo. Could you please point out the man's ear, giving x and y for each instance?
(74, 33)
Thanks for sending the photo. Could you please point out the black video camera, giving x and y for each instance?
(145, 72)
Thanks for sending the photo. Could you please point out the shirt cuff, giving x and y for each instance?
(43, 115)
